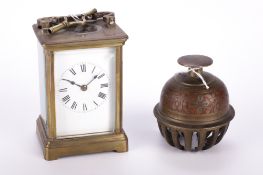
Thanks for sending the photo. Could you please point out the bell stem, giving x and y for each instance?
(198, 70)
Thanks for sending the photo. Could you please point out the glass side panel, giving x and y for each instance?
(42, 82)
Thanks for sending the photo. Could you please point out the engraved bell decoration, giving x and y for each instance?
(194, 111)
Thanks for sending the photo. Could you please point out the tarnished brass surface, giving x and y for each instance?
(50, 91)
(188, 108)
(102, 35)
(71, 39)
(90, 28)
(56, 148)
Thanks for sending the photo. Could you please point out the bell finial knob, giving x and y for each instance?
(195, 61)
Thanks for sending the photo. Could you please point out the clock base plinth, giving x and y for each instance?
(56, 148)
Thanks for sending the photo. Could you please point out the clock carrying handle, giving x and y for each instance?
(52, 25)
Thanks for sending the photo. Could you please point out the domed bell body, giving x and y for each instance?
(194, 111)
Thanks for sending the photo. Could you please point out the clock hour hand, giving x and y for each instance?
(71, 82)
(92, 79)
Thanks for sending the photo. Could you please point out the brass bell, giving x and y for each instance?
(194, 111)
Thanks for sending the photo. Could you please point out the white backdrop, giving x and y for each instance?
(231, 32)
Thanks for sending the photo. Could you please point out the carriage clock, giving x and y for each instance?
(80, 65)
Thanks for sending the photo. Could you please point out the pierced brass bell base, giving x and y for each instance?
(55, 148)
(193, 136)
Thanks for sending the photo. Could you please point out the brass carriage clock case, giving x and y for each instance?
(90, 30)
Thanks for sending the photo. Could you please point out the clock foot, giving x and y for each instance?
(122, 148)
(56, 148)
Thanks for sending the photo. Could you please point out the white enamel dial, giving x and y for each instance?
(83, 87)
(85, 91)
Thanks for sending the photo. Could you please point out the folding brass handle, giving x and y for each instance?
(54, 24)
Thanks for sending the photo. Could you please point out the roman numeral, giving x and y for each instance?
(63, 90)
(93, 69)
(84, 107)
(104, 85)
(74, 105)
(72, 71)
(101, 76)
(95, 103)
(66, 99)
(83, 67)
(102, 95)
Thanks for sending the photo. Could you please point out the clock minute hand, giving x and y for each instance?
(92, 79)
(71, 82)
